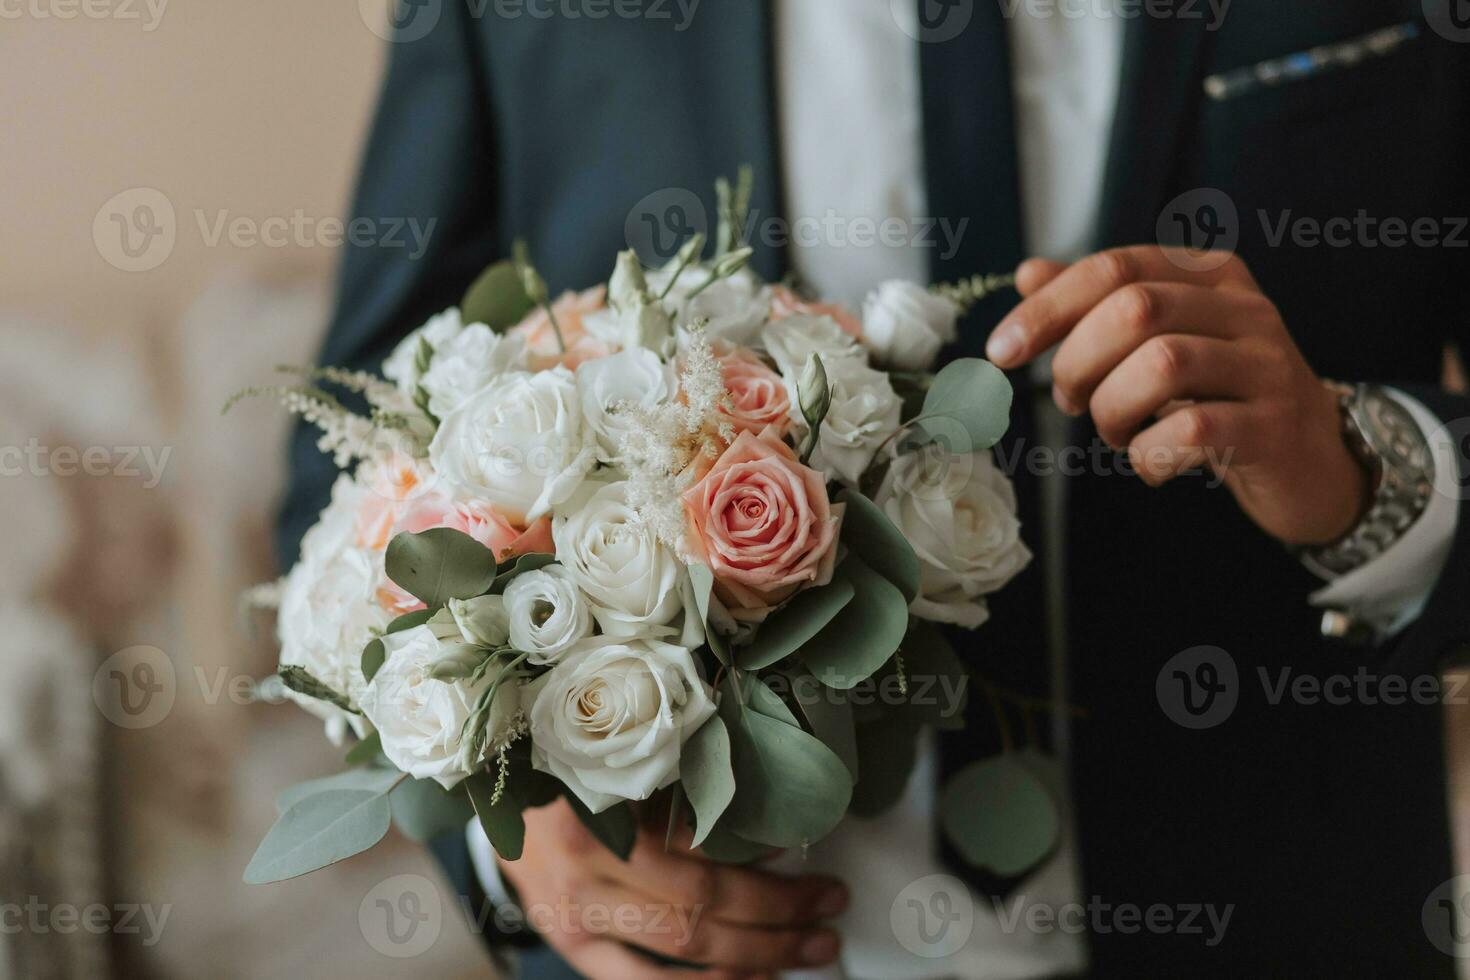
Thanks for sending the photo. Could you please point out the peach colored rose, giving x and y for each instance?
(477, 520)
(540, 336)
(758, 397)
(394, 484)
(785, 302)
(763, 524)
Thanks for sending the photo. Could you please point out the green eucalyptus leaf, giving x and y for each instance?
(319, 830)
(751, 692)
(703, 582)
(616, 827)
(829, 715)
(373, 656)
(410, 620)
(1000, 816)
(501, 820)
(968, 404)
(520, 565)
(707, 775)
(422, 809)
(379, 780)
(497, 298)
(887, 751)
(869, 532)
(864, 635)
(300, 680)
(790, 788)
(440, 564)
(727, 847)
(790, 627)
(938, 683)
(367, 749)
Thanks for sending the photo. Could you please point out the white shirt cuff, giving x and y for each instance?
(1391, 590)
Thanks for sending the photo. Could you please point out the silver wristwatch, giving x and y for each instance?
(1387, 440)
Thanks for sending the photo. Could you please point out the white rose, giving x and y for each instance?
(467, 362)
(793, 339)
(905, 325)
(610, 721)
(863, 414)
(421, 720)
(402, 365)
(548, 614)
(329, 608)
(631, 580)
(736, 306)
(632, 377)
(959, 513)
(520, 444)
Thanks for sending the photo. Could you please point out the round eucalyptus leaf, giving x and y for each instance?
(1000, 816)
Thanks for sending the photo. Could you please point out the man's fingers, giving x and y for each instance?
(1032, 274)
(1193, 435)
(1127, 319)
(1044, 318)
(730, 893)
(689, 933)
(1169, 368)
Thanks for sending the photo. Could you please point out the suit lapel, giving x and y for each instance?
(1160, 88)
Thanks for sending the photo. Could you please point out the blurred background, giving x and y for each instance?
(172, 175)
(132, 514)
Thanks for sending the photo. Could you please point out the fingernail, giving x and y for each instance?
(820, 948)
(832, 902)
(1064, 403)
(1006, 344)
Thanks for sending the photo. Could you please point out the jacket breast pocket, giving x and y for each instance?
(1343, 76)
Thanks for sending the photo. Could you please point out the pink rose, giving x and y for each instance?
(786, 303)
(394, 484)
(474, 518)
(540, 336)
(762, 523)
(758, 397)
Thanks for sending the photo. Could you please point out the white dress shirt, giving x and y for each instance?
(851, 136)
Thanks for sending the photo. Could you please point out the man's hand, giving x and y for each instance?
(591, 907)
(1190, 368)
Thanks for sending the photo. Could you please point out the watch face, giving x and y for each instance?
(1392, 431)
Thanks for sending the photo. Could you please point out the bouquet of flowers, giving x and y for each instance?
(685, 534)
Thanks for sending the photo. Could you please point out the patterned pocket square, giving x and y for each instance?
(1310, 63)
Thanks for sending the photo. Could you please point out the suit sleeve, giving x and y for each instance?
(428, 171)
(1441, 634)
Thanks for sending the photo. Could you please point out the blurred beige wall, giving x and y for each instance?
(254, 108)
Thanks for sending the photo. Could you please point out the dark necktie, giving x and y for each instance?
(973, 175)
